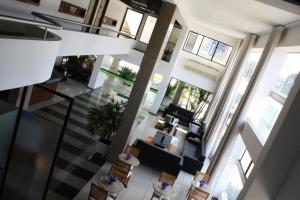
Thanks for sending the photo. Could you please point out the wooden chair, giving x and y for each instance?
(97, 193)
(198, 176)
(132, 150)
(120, 174)
(198, 194)
(167, 178)
(122, 165)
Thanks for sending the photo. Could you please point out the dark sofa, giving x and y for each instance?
(196, 130)
(193, 153)
(184, 116)
(158, 158)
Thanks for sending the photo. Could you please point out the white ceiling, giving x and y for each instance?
(234, 17)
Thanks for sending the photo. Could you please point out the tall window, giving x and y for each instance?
(288, 75)
(148, 29)
(264, 121)
(131, 23)
(207, 48)
(188, 97)
(243, 84)
(193, 42)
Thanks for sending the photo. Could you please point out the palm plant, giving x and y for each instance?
(127, 73)
(171, 88)
(104, 120)
(197, 101)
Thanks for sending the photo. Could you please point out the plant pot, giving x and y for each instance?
(101, 148)
(105, 141)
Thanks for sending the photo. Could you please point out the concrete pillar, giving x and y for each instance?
(97, 78)
(115, 65)
(151, 59)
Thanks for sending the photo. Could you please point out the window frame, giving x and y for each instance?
(216, 51)
(139, 28)
(142, 28)
(248, 167)
(204, 36)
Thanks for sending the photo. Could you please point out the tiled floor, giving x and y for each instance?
(140, 186)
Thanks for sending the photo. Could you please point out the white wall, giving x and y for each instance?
(289, 189)
(116, 10)
(79, 43)
(23, 10)
(290, 37)
(191, 76)
(251, 141)
(134, 57)
(26, 62)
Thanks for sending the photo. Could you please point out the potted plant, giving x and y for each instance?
(103, 121)
(167, 55)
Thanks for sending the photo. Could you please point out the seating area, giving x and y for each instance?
(157, 185)
(184, 116)
(194, 149)
(118, 176)
(190, 158)
(158, 158)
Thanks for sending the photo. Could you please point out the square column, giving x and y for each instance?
(151, 59)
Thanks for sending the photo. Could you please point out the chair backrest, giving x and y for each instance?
(123, 166)
(203, 176)
(97, 193)
(132, 150)
(198, 194)
(168, 178)
(118, 173)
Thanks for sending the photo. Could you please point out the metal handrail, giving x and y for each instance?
(52, 24)
(41, 15)
(36, 14)
(56, 26)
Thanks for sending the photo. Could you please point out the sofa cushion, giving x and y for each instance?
(195, 130)
(190, 150)
(201, 151)
(194, 140)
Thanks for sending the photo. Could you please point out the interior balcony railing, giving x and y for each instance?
(99, 30)
(52, 24)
